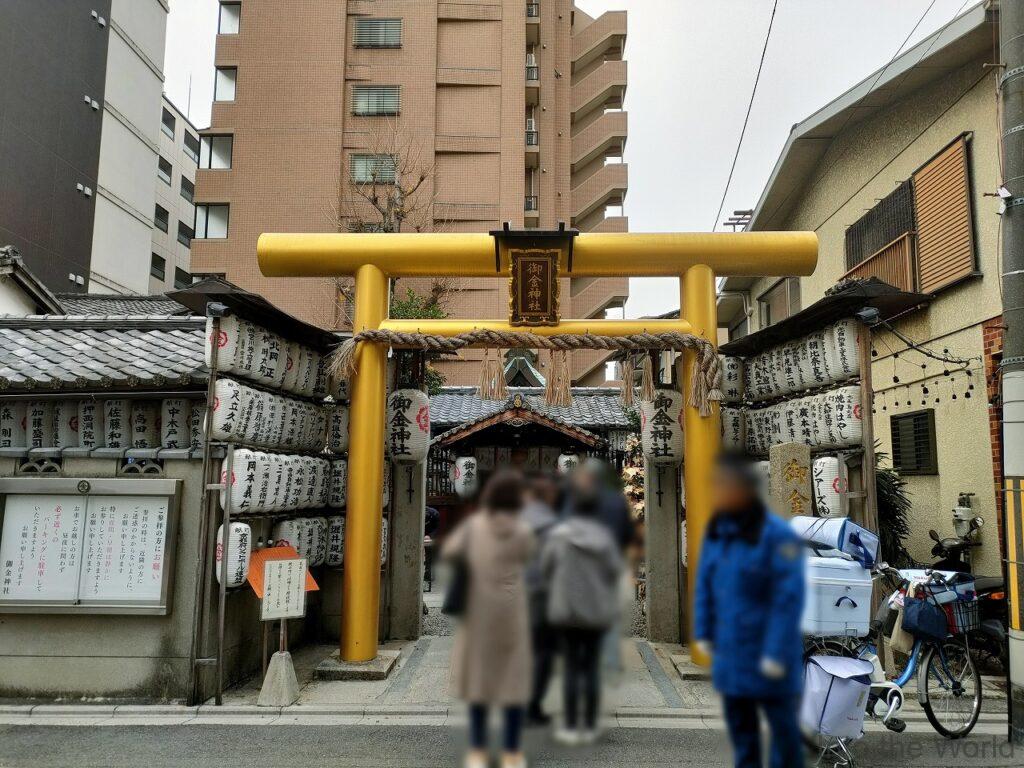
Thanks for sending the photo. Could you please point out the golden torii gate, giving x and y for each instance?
(373, 258)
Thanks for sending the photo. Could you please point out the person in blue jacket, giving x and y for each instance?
(748, 602)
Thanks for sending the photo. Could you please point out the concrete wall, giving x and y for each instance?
(165, 244)
(863, 165)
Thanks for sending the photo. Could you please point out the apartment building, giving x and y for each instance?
(898, 177)
(79, 128)
(175, 213)
(473, 113)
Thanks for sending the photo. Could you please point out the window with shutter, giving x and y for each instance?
(913, 443)
(378, 33)
(945, 229)
(373, 169)
(376, 100)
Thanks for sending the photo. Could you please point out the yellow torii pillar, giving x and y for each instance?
(372, 259)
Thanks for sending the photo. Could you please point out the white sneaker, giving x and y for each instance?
(589, 736)
(475, 759)
(513, 761)
(567, 736)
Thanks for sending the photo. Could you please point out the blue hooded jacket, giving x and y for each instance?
(750, 596)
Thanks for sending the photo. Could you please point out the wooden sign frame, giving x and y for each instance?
(533, 286)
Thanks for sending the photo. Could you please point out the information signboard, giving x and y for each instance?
(284, 589)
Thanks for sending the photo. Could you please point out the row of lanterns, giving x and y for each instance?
(249, 350)
(825, 357)
(464, 472)
(244, 414)
(116, 423)
(828, 420)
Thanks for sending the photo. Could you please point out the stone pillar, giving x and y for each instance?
(791, 480)
(661, 512)
(405, 566)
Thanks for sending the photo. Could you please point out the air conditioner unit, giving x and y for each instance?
(531, 124)
(531, 60)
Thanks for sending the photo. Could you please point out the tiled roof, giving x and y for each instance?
(116, 304)
(592, 407)
(86, 353)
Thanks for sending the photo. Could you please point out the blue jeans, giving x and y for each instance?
(745, 732)
(512, 735)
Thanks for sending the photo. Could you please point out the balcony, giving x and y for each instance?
(604, 38)
(533, 23)
(603, 88)
(532, 149)
(893, 264)
(532, 84)
(605, 187)
(605, 137)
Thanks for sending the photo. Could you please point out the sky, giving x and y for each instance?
(692, 65)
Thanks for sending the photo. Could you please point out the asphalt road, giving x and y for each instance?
(294, 746)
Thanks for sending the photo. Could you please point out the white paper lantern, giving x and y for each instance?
(278, 494)
(844, 349)
(318, 541)
(239, 552)
(816, 371)
(65, 424)
(269, 425)
(323, 482)
(292, 350)
(175, 413)
(227, 410)
(269, 358)
(248, 346)
(789, 411)
(465, 476)
(792, 375)
(819, 427)
(732, 378)
(734, 431)
(245, 430)
(117, 421)
(311, 479)
(309, 365)
(567, 463)
(241, 485)
(338, 482)
(40, 424)
(484, 455)
(292, 533)
(847, 425)
(408, 425)
(197, 418)
(14, 424)
(322, 376)
(263, 492)
(775, 416)
(774, 360)
(661, 427)
(384, 541)
(303, 417)
(231, 344)
(753, 433)
(337, 428)
(802, 410)
(827, 486)
(335, 542)
(297, 487)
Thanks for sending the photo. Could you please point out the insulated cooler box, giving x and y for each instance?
(838, 601)
(838, 533)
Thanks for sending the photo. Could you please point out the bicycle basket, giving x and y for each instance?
(962, 616)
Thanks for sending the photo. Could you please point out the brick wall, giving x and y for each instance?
(992, 343)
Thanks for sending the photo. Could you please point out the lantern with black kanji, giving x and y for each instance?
(843, 349)
(661, 427)
(335, 542)
(239, 551)
(408, 425)
(567, 463)
(732, 378)
(734, 432)
(827, 486)
(464, 476)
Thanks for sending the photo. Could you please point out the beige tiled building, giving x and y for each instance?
(509, 110)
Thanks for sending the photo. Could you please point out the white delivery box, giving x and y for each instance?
(838, 601)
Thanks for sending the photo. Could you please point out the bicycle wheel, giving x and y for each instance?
(952, 689)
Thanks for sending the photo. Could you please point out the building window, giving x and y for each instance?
(182, 279)
(780, 301)
(167, 122)
(740, 329)
(376, 100)
(185, 234)
(163, 170)
(532, 10)
(192, 147)
(230, 13)
(161, 219)
(373, 169)
(224, 84)
(913, 443)
(891, 217)
(188, 189)
(378, 33)
(211, 221)
(157, 267)
(215, 152)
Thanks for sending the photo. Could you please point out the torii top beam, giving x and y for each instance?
(595, 254)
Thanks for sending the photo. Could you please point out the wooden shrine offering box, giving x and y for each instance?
(87, 545)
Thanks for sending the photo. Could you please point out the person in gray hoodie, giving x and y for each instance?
(581, 563)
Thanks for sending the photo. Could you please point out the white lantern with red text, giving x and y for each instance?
(464, 476)
(239, 551)
(828, 486)
(408, 425)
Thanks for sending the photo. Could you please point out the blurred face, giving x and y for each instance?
(730, 493)
(584, 484)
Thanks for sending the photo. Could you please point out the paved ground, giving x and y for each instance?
(396, 746)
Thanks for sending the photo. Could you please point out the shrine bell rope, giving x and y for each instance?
(704, 384)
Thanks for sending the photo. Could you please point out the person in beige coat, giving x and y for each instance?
(491, 659)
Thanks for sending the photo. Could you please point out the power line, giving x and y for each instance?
(746, 118)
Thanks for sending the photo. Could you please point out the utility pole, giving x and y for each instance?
(1011, 51)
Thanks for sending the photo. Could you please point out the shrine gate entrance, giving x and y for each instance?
(696, 259)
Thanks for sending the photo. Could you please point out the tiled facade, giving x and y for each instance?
(470, 75)
(992, 344)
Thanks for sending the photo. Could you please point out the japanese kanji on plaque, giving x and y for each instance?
(533, 296)
(284, 589)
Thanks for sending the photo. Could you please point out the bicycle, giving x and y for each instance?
(949, 686)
